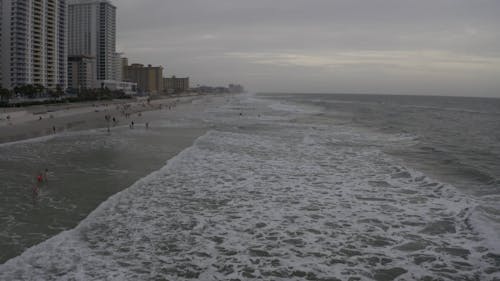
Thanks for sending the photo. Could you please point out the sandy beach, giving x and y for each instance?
(35, 121)
(86, 164)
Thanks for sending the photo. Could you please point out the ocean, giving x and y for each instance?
(280, 187)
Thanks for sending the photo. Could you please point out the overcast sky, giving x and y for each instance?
(444, 47)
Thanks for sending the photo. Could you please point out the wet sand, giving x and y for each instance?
(37, 121)
(86, 166)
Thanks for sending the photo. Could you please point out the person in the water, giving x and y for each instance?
(45, 173)
(39, 178)
(36, 190)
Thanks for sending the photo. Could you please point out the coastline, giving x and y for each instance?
(38, 121)
(79, 184)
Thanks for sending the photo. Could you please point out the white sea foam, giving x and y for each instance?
(32, 140)
(273, 200)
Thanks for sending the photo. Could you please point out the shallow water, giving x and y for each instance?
(85, 168)
(278, 193)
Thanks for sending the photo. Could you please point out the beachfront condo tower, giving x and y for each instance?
(92, 33)
(1, 32)
(149, 78)
(33, 43)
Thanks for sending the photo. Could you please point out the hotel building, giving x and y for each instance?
(92, 33)
(33, 43)
(175, 84)
(149, 79)
(81, 72)
(1, 47)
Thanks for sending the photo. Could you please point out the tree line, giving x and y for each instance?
(30, 91)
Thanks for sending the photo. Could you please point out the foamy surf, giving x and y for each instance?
(274, 201)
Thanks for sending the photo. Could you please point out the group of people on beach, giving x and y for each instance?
(126, 111)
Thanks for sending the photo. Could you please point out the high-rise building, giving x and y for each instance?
(175, 84)
(92, 32)
(149, 79)
(118, 67)
(33, 43)
(81, 73)
(1, 47)
(124, 64)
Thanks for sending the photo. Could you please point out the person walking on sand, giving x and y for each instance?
(147, 125)
(54, 129)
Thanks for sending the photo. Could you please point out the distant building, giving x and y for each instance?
(231, 89)
(118, 67)
(149, 79)
(92, 32)
(236, 89)
(175, 85)
(1, 47)
(124, 64)
(81, 72)
(33, 43)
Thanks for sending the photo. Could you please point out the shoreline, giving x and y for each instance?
(83, 176)
(39, 121)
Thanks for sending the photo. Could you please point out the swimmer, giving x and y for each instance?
(36, 190)
(39, 178)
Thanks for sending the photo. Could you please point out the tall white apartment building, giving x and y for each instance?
(33, 43)
(92, 33)
(1, 32)
(118, 67)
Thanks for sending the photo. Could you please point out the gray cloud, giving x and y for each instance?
(449, 47)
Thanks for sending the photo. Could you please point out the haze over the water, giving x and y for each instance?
(442, 47)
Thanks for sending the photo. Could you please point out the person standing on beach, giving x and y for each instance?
(45, 178)
(54, 129)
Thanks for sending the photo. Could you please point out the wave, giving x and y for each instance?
(283, 202)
